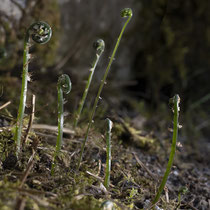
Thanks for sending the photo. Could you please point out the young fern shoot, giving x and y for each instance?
(175, 101)
(125, 13)
(108, 154)
(63, 86)
(40, 32)
(99, 46)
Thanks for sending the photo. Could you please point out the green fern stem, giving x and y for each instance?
(175, 101)
(64, 86)
(40, 32)
(99, 46)
(125, 13)
(21, 109)
(108, 154)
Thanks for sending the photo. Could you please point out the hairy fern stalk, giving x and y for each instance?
(125, 13)
(40, 32)
(64, 86)
(175, 101)
(99, 46)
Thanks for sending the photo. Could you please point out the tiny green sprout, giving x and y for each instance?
(182, 191)
(108, 153)
(103, 81)
(175, 101)
(99, 46)
(40, 32)
(63, 86)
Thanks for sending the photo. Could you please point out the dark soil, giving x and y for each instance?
(138, 162)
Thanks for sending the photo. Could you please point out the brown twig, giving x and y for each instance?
(51, 128)
(166, 194)
(28, 169)
(97, 177)
(145, 168)
(5, 105)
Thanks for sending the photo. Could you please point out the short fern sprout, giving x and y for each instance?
(40, 32)
(108, 154)
(63, 86)
(175, 102)
(64, 83)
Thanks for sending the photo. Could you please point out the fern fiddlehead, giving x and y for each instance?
(63, 86)
(125, 13)
(99, 46)
(40, 32)
(175, 101)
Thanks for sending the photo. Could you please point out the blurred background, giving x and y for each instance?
(165, 50)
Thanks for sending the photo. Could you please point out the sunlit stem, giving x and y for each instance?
(23, 95)
(41, 33)
(103, 81)
(64, 86)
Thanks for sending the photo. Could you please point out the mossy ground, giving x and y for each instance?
(140, 150)
(132, 185)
